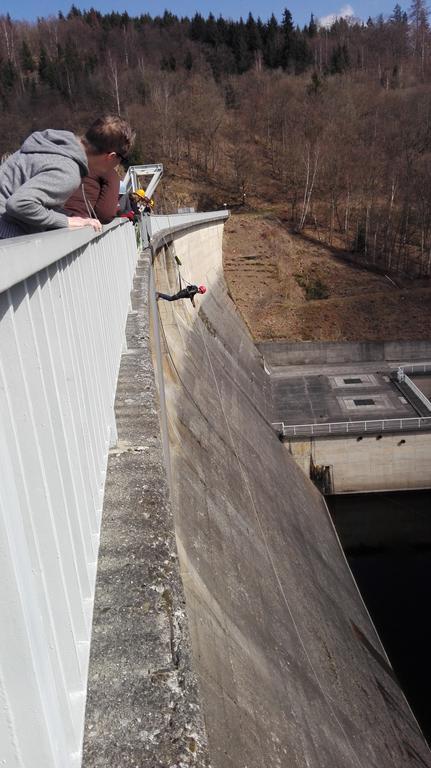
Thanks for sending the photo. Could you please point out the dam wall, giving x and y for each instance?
(396, 462)
(280, 353)
(290, 669)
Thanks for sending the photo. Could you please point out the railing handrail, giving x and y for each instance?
(416, 391)
(22, 257)
(353, 427)
(162, 229)
(417, 368)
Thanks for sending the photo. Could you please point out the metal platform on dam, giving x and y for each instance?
(337, 395)
(355, 427)
(290, 668)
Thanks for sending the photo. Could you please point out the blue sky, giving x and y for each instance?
(28, 9)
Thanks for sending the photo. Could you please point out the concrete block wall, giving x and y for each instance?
(369, 463)
(280, 353)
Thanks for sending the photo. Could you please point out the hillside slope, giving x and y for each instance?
(276, 278)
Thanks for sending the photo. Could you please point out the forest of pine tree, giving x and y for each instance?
(337, 119)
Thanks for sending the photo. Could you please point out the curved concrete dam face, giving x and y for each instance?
(291, 671)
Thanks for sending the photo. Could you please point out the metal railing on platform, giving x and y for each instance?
(372, 426)
(408, 386)
(417, 368)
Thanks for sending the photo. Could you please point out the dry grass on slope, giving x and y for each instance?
(289, 287)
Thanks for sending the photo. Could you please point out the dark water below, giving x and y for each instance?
(387, 541)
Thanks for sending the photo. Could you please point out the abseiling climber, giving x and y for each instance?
(189, 292)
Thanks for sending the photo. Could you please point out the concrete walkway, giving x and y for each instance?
(142, 707)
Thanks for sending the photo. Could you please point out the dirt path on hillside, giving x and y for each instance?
(276, 279)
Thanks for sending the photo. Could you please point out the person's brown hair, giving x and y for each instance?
(109, 134)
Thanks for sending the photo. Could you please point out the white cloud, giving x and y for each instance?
(346, 12)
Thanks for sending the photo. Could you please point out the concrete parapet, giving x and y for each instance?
(281, 353)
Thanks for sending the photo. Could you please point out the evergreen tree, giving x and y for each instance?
(397, 15)
(254, 40)
(223, 31)
(287, 48)
(312, 27)
(168, 64)
(74, 12)
(188, 61)
(8, 76)
(91, 62)
(26, 58)
(271, 51)
(398, 29)
(211, 33)
(302, 54)
(168, 19)
(43, 62)
(241, 52)
(46, 68)
(287, 23)
(340, 59)
(316, 86)
(197, 27)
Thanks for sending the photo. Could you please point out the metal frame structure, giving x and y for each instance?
(136, 178)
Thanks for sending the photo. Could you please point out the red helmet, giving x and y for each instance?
(202, 289)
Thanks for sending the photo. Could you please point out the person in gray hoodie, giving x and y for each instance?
(36, 181)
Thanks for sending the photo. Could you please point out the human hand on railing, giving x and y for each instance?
(129, 215)
(77, 222)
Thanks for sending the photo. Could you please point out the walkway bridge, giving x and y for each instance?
(289, 668)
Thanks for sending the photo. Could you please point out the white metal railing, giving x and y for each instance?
(64, 298)
(371, 426)
(416, 368)
(406, 380)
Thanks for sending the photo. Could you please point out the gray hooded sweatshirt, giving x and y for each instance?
(37, 180)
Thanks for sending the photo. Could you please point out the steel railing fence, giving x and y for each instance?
(64, 298)
(371, 426)
(417, 368)
(406, 380)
